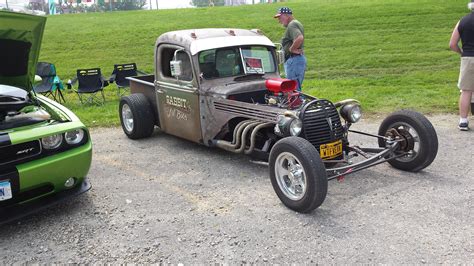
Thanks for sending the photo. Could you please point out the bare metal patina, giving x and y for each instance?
(222, 88)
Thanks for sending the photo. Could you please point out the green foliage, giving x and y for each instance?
(130, 4)
(387, 54)
(205, 3)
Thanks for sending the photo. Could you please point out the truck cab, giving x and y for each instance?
(213, 65)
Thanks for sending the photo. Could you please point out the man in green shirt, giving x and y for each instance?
(293, 44)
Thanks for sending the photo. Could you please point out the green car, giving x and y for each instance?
(45, 150)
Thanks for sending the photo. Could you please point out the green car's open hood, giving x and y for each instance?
(20, 41)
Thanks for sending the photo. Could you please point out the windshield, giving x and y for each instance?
(236, 61)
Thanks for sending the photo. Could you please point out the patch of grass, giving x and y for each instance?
(387, 54)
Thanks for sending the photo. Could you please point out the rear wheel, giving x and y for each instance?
(298, 174)
(418, 139)
(136, 116)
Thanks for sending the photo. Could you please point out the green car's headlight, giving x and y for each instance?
(52, 142)
(74, 137)
(64, 141)
(351, 112)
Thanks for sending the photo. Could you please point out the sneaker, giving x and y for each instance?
(463, 126)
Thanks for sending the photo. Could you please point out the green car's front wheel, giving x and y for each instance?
(136, 116)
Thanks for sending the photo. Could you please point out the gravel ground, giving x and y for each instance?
(167, 200)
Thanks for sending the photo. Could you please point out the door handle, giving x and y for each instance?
(158, 88)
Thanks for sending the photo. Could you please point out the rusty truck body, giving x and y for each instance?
(222, 88)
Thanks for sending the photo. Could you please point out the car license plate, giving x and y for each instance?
(330, 150)
(5, 190)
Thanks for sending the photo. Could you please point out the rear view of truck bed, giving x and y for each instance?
(145, 85)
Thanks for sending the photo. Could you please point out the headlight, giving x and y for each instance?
(351, 112)
(288, 126)
(52, 142)
(295, 127)
(74, 137)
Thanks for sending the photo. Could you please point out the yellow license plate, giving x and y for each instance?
(330, 150)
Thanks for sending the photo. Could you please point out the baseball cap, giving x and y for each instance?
(285, 10)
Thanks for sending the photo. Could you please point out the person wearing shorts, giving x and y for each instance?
(464, 32)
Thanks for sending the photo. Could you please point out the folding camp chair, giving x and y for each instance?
(91, 82)
(120, 74)
(50, 84)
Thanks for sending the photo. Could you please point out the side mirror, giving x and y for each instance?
(280, 54)
(176, 67)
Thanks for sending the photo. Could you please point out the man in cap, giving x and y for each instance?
(292, 42)
(464, 31)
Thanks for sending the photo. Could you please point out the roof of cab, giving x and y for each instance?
(197, 40)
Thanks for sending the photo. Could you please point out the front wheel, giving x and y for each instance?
(136, 116)
(298, 174)
(418, 142)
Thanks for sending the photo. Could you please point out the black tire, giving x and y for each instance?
(314, 173)
(423, 151)
(139, 114)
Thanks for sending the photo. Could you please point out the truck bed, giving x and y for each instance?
(145, 85)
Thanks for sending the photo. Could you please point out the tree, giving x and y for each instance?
(130, 4)
(204, 3)
(121, 5)
(38, 5)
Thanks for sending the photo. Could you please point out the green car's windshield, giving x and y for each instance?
(236, 61)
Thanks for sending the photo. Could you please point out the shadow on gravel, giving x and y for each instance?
(60, 212)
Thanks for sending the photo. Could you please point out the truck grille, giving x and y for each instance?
(321, 123)
(19, 152)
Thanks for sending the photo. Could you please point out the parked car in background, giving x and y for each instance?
(45, 150)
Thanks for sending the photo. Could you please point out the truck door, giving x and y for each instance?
(177, 97)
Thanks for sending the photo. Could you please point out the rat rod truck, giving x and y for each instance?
(222, 88)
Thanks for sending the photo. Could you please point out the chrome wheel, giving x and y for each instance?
(298, 174)
(127, 118)
(290, 176)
